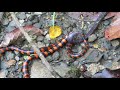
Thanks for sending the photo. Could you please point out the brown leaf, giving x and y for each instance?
(16, 34)
(113, 31)
(88, 16)
(11, 62)
(110, 14)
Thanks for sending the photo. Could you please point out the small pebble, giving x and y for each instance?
(21, 21)
(114, 53)
(9, 55)
(47, 37)
(4, 65)
(109, 58)
(115, 43)
(49, 58)
(37, 25)
(105, 56)
(21, 15)
(65, 25)
(17, 58)
(40, 38)
(106, 22)
(20, 75)
(92, 38)
(76, 63)
(3, 73)
(12, 23)
(5, 21)
(37, 13)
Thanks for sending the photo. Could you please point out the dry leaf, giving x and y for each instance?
(113, 31)
(110, 14)
(54, 32)
(16, 34)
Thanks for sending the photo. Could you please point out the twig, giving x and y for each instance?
(44, 61)
(53, 19)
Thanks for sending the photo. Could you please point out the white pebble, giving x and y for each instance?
(38, 13)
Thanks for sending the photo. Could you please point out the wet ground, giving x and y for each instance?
(104, 54)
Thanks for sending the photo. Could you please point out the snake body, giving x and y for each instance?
(46, 51)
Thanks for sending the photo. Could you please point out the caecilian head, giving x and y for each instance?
(74, 37)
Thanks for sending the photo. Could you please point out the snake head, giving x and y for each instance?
(75, 37)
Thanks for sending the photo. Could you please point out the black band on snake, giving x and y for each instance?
(69, 39)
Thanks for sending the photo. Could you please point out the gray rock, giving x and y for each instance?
(12, 23)
(92, 38)
(40, 38)
(1, 15)
(115, 43)
(21, 15)
(107, 64)
(38, 70)
(56, 56)
(9, 55)
(106, 22)
(37, 25)
(22, 22)
(62, 69)
(106, 44)
(65, 32)
(100, 35)
(37, 13)
(46, 41)
(110, 58)
(74, 29)
(45, 32)
(17, 58)
(95, 56)
(49, 58)
(10, 75)
(114, 53)
(3, 73)
(5, 21)
(16, 66)
(28, 23)
(64, 55)
(10, 28)
(76, 63)
(47, 37)
(20, 75)
(4, 65)
(35, 20)
(65, 25)
(105, 56)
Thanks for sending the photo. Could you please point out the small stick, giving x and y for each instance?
(53, 19)
(43, 59)
(96, 23)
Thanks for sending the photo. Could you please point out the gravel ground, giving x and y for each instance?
(107, 56)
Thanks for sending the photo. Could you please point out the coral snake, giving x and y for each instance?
(69, 39)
